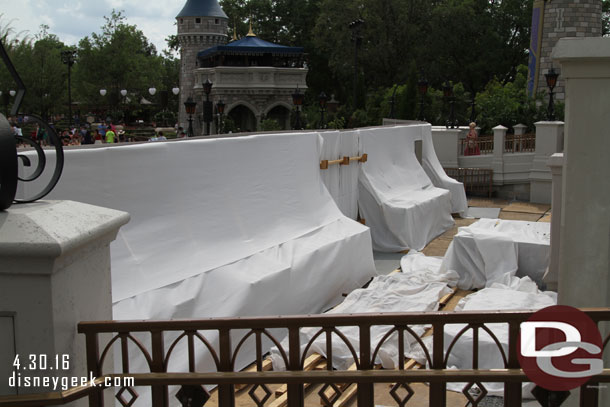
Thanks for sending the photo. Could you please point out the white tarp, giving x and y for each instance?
(434, 169)
(396, 197)
(512, 293)
(220, 227)
(418, 289)
(342, 180)
(489, 249)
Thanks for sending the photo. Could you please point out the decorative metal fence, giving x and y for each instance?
(223, 340)
(477, 181)
(525, 143)
(485, 144)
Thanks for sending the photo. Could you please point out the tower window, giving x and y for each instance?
(181, 21)
(197, 20)
(217, 21)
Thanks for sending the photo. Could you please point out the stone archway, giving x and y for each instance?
(280, 114)
(244, 119)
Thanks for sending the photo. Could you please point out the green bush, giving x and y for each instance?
(270, 125)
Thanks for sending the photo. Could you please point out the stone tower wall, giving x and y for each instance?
(196, 34)
(566, 18)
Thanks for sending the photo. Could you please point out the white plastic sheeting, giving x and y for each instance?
(512, 293)
(489, 249)
(434, 169)
(342, 180)
(396, 197)
(416, 290)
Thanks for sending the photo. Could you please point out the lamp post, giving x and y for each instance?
(393, 103)
(152, 91)
(448, 93)
(207, 106)
(103, 92)
(190, 105)
(356, 28)
(68, 58)
(551, 80)
(422, 87)
(297, 101)
(123, 101)
(322, 98)
(220, 106)
(473, 115)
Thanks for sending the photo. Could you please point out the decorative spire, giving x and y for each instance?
(234, 30)
(251, 33)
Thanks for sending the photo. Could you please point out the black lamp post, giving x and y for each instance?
(220, 106)
(297, 101)
(393, 103)
(208, 109)
(190, 105)
(473, 116)
(551, 81)
(68, 57)
(6, 97)
(448, 93)
(322, 98)
(356, 27)
(422, 87)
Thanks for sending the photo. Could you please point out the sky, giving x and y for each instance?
(73, 20)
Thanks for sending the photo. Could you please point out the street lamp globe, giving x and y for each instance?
(103, 92)
(152, 91)
(123, 92)
(175, 91)
(12, 93)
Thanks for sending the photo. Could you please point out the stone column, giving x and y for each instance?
(584, 266)
(551, 278)
(54, 273)
(497, 163)
(549, 140)
(446, 145)
(584, 276)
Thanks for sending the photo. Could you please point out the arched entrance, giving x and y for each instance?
(244, 119)
(280, 114)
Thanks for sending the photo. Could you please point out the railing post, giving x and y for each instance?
(226, 392)
(549, 140)
(296, 395)
(497, 163)
(512, 391)
(438, 391)
(159, 393)
(366, 392)
(551, 277)
(96, 399)
(519, 129)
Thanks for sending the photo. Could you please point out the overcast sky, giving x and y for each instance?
(73, 20)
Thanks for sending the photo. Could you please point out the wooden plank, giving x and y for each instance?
(311, 363)
(445, 299)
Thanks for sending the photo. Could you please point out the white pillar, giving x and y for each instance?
(497, 163)
(584, 270)
(519, 129)
(446, 145)
(54, 273)
(549, 140)
(551, 278)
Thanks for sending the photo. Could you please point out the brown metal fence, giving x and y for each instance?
(223, 339)
(525, 143)
(477, 181)
(485, 144)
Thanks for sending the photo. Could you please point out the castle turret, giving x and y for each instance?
(201, 24)
(551, 21)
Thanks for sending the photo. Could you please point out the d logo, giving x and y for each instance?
(560, 348)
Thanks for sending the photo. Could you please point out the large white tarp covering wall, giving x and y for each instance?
(342, 180)
(201, 205)
(396, 197)
(490, 249)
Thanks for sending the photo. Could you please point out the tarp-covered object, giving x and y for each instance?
(440, 179)
(396, 197)
(484, 252)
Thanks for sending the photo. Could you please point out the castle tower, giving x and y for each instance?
(552, 20)
(201, 24)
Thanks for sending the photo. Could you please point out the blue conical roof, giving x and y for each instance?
(202, 8)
